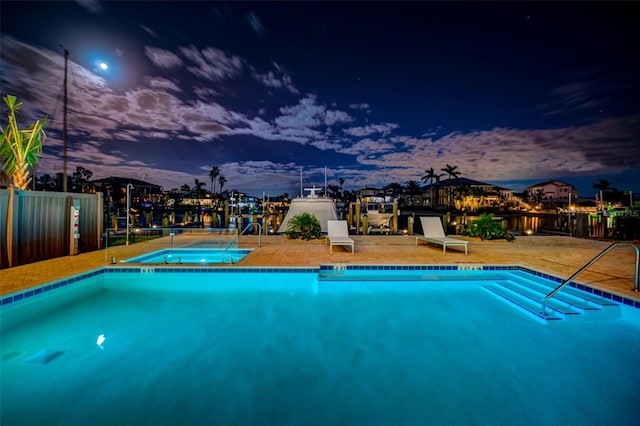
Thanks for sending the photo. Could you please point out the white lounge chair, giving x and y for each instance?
(338, 235)
(434, 233)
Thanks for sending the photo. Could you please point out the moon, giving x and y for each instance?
(103, 66)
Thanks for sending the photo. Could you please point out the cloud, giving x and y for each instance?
(384, 129)
(149, 31)
(368, 148)
(308, 113)
(276, 79)
(160, 129)
(211, 63)
(205, 92)
(255, 24)
(507, 154)
(162, 58)
(595, 90)
(161, 83)
(333, 117)
(361, 106)
(92, 6)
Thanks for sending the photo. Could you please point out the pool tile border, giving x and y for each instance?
(46, 288)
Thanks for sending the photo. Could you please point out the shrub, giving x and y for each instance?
(305, 226)
(487, 229)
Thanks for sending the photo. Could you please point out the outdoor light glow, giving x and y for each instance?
(528, 232)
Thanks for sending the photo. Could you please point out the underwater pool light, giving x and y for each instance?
(100, 340)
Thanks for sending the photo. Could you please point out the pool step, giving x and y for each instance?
(378, 276)
(570, 293)
(530, 306)
(528, 293)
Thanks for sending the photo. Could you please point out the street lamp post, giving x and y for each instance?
(129, 188)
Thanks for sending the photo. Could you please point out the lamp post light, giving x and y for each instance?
(570, 191)
(129, 188)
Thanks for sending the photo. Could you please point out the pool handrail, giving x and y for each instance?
(259, 231)
(588, 264)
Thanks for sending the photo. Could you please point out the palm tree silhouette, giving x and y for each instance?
(451, 172)
(199, 187)
(222, 180)
(413, 188)
(429, 176)
(603, 186)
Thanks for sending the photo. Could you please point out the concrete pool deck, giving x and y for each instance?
(555, 255)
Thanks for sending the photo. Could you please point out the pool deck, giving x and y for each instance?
(555, 255)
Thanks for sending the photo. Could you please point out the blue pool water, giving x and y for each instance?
(192, 256)
(281, 348)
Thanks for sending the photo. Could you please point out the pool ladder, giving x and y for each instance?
(587, 265)
(242, 232)
(224, 253)
(259, 231)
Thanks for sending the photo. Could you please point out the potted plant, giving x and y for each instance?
(305, 226)
(486, 228)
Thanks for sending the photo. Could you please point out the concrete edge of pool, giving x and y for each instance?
(190, 256)
(28, 294)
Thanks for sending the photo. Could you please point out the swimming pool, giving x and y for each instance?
(307, 346)
(192, 256)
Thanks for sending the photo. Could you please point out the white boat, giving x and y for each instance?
(322, 208)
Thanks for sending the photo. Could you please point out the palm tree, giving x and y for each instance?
(185, 188)
(451, 172)
(305, 225)
(213, 174)
(429, 176)
(413, 189)
(198, 187)
(4, 177)
(603, 186)
(20, 150)
(222, 180)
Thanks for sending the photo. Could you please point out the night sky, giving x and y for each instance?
(510, 93)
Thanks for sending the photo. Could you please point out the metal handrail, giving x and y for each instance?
(259, 231)
(240, 233)
(591, 262)
(224, 253)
